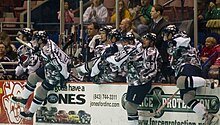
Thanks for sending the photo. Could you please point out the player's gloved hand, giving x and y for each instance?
(103, 56)
(36, 51)
(144, 78)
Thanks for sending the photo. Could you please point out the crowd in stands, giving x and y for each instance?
(7, 54)
(139, 18)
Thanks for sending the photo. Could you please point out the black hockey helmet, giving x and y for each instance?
(27, 32)
(151, 36)
(115, 33)
(106, 28)
(41, 35)
(128, 36)
(170, 29)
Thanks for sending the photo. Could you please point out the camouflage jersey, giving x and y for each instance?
(28, 61)
(142, 66)
(53, 55)
(110, 67)
(182, 53)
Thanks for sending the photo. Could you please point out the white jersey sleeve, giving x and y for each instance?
(59, 59)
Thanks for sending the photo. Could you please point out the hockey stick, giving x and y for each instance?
(210, 58)
(5, 71)
(24, 43)
(147, 114)
(78, 51)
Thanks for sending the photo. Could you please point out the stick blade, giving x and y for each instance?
(24, 43)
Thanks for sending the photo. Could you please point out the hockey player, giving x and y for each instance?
(186, 63)
(142, 67)
(106, 68)
(54, 72)
(104, 42)
(115, 43)
(98, 45)
(28, 61)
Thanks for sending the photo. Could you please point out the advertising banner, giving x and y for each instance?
(103, 104)
(9, 112)
(95, 104)
(176, 112)
(91, 104)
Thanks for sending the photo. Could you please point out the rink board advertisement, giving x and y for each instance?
(102, 104)
(8, 110)
(91, 104)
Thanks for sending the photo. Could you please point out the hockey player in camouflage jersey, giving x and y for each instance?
(142, 67)
(98, 45)
(55, 72)
(103, 70)
(186, 63)
(28, 61)
(111, 62)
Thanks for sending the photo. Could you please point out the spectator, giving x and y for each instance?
(123, 12)
(10, 48)
(202, 9)
(4, 58)
(126, 26)
(213, 10)
(208, 49)
(68, 17)
(142, 17)
(97, 12)
(132, 3)
(213, 16)
(214, 69)
(206, 52)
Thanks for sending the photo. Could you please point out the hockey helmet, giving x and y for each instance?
(170, 29)
(115, 33)
(151, 36)
(26, 32)
(129, 36)
(106, 29)
(41, 35)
